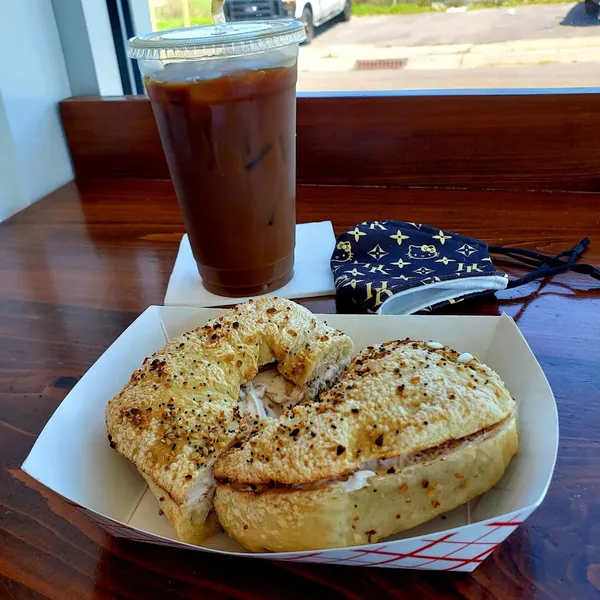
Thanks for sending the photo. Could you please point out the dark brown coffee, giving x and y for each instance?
(230, 146)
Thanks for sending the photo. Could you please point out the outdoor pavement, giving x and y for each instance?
(482, 26)
(528, 46)
(539, 76)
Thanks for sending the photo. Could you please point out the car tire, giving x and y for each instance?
(309, 24)
(591, 8)
(347, 12)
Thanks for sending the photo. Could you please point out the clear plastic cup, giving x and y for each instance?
(224, 99)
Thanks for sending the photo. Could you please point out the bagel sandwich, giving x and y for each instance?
(412, 430)
(192, 400)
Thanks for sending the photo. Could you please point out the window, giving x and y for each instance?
(420, 44)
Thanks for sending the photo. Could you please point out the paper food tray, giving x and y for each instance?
(72, 456)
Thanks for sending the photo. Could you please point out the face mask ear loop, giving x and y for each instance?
(547, 266)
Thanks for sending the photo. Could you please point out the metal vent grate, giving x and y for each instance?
(384, 63)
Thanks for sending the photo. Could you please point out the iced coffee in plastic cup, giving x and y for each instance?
(224, 98)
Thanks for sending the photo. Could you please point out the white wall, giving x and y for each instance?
(140, 14)
(88, 47)
(102, 46)
(34, 159)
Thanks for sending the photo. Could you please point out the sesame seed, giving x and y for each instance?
(464, 358)
(434, 345)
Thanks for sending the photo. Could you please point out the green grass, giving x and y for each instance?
(413, 8)
(169, 16)
(359, 9)
(402, 8)
(162, 24)
(515, 3)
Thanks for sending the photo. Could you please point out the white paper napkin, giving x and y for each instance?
(312, 276)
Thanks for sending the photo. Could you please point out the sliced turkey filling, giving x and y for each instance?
(269, 394)
(360, 477)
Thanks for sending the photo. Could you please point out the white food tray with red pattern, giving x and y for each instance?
(72, 456)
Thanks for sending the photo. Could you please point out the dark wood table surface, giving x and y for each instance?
(79, 266)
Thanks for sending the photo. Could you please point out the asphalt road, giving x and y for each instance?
(471, 27)
(538, 76)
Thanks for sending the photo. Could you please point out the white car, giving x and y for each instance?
(311, 12)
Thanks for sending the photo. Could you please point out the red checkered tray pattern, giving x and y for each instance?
(461, 549)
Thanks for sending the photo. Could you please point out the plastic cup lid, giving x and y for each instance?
(209, 41)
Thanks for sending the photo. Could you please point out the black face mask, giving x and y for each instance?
(393, 267)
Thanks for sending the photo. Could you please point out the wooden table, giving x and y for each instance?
(79, 266)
